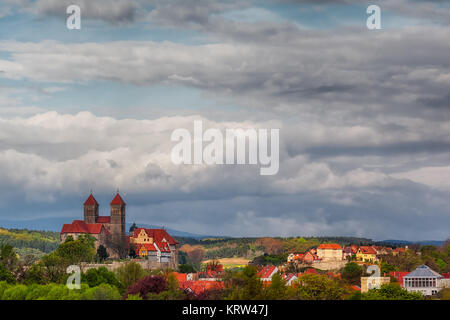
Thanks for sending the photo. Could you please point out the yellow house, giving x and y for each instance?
(366, 254)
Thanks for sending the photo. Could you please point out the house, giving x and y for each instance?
(329, 252)
(310, 257)
(366, 254)
(398, 251)
(156, 245)
(423, 280)
(295, 257)
(267, 272)
(289, 278)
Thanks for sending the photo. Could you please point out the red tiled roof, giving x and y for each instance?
(148, 246)
(200, 286)
(398, 275)
(181, 277)
(91, 200)
(79, 226)
(117, 200)
(446, 275)
(333, 246)
(367, 250)
(104, 219)
(157, 234)
(311, 270)
(265, 272)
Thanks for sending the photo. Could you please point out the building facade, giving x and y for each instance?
(423, 280)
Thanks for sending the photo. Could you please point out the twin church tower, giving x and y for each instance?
(115, 223)
(108, 231)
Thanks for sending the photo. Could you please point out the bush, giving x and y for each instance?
(6, 275)
(95, 277)
(149, 284)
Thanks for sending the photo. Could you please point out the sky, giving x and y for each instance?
(364, 115)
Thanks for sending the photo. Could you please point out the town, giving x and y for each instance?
(150, 263)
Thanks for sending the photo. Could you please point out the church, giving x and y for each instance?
(155, 245)
(109, 231)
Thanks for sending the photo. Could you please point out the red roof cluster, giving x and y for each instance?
(200, 286)
(79, 226)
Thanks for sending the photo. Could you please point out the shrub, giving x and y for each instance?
(150, 284)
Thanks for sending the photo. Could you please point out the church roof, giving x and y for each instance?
(117, 200)
(423, 272)
(104, 219)
(79, 226)
(91, 200)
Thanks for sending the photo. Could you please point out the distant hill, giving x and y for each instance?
(407, 243)
(55, 224)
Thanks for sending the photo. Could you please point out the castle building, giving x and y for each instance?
(108, 231)
(155, 245)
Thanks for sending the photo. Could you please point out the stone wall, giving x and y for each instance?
(326, 265)
(145, 264)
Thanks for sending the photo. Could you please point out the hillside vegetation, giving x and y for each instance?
(28, 242)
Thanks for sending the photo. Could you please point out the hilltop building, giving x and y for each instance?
(156, 245)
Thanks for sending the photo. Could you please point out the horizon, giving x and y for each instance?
(363, 114)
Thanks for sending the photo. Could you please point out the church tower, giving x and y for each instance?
(90, 210)
(117, 226)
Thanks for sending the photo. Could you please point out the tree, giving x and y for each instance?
(117, 245)
(55, 266)
(318, 287)
(102, 254)
(149, 284)
(6, 275)
(186, 268)
(352, 273)
(271, 245)
(96, 276)
(77, 251)
(277, 288)
(245, 285)
(130, 273)
(390, 291)
(8, 257)
(195, 256)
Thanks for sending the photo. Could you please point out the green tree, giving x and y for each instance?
(96, 276)
(77, 251)
(130, 273)
(390, 291)
(245, 285)
(277, 288)
(102, 254)
(55, 266)
(186, 268)
(6, 275)
(8, 257)
(319, 287)
(352, 273)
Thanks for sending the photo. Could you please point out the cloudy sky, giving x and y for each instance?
(364, 115)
